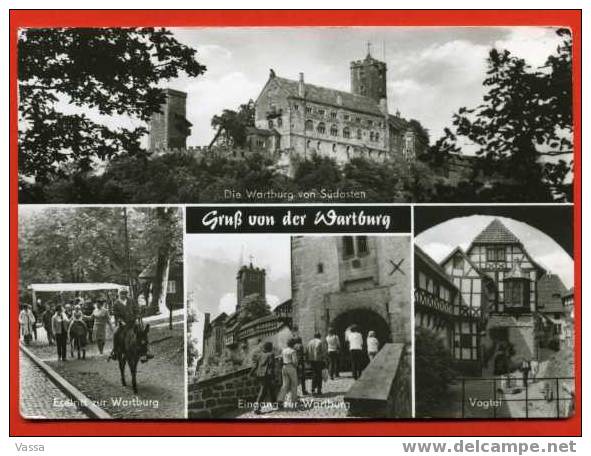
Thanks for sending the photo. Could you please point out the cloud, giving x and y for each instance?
(210, 96)
(534, 44)
(227, 303)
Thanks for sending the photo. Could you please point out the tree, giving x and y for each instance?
(162, 236)
(433, 371)
(231, 125)
(523, 126)
(253, 307)
(111, 71)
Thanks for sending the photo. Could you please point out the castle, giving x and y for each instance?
(337, 281)
(491, 305)
(295, 119)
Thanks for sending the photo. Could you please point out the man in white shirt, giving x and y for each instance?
(356, 348)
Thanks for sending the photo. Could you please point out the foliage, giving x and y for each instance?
(88, 244)
(522, 129)
(111, 71)
(231, 125)
(433, 371)
(251, 309)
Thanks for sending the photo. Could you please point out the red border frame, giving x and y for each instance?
(103, 18)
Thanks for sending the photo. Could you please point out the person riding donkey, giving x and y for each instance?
(126, 313)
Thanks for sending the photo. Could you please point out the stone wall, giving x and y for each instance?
(219, 395)
(384, 389)
(324, 286)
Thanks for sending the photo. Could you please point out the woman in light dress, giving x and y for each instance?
(102, 319)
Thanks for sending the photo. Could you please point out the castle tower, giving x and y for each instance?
(368, 77)
(249, 281)
(170, 128)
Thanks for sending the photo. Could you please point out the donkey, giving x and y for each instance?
(78, 333)
(134, 348)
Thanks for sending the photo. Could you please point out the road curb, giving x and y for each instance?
(81, 400)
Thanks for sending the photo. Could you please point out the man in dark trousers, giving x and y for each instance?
(125, 312)
(301, 367)
(264, 371)
(315, 354)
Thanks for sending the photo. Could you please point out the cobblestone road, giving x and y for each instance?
(40, 398)
(330, 404)
(160, 381)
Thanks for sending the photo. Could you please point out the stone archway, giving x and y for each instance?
(367, 320)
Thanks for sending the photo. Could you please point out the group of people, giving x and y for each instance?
(321, 355)
(59, 319)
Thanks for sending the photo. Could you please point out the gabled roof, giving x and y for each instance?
(425, 258)
(467, 258)
(550, 292)
(325, 95)
(496, 233)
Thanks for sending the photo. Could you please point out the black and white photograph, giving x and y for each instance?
(494, 312)
(355, 114)
(101, 318)
(299, 327)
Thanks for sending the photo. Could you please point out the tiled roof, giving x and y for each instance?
(420, 254)
(496, 233)
(328, 96)
(550, 291)
(398, 122)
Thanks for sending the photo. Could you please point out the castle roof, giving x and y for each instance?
(261, 131)
(434, 266)
(550, 292)
(325, 95)
(496, 233)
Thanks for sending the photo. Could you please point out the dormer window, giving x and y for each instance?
(333, 114)
(309, 109)
(496, 254)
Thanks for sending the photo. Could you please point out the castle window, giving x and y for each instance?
(270, 123)
(333, 114)
(309, 125)
(362, 247)
(334, 147)
(320, 268)
(376, 136)
(321, 112)
(371, 135)
(318, 146)
(348, 247)
(279, 122)
(348, 151)
(296, 107)
(346, 132)
(357, 119)
(370, 123)
(321, 128)
(309, 109)
(171, 287)
(308, 144)
(359, 134)
(334, 131)
(347, 117)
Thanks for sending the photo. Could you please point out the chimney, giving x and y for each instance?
(207, 320)
(339, 100)
(301, 89)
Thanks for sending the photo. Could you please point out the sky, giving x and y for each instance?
(214, 261)
(432, 71)
(441, 239)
